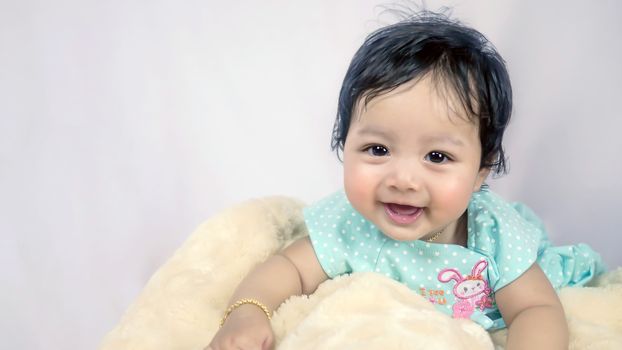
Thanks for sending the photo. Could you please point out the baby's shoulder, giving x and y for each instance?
(334, 216)
(496, 226)
(510, 235)
(333, 203)
(343, 240)
(332, 210)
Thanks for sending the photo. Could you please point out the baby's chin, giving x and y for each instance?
(403, 234)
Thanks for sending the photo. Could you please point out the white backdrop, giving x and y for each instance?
(124, 124)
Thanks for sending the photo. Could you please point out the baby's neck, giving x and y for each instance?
(455, 233)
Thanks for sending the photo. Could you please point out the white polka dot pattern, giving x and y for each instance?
(509, 237)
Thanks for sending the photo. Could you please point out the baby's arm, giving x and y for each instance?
(293, 271)
(533, 312)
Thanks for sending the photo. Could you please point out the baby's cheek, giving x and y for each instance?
(454, 198)
(357, 185)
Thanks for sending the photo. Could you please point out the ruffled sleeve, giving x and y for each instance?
(509, 235)
(344, 241)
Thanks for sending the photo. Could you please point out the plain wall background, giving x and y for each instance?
(124, 124)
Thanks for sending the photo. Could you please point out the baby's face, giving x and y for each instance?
(411, 162)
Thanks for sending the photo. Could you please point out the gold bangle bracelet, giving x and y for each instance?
(241, 302)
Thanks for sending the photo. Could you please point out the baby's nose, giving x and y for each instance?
(404, 176)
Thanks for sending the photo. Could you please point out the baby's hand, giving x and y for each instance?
(246, 328)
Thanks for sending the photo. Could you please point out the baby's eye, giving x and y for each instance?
(437, 157)
(377, 151)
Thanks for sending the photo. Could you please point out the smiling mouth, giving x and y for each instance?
(402, 214)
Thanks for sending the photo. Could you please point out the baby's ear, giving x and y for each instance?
(482, 175)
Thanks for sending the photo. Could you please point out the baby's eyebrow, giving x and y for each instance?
(375, 132)
(428, 139)
(444, 139)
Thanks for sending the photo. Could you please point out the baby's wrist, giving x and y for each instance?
(245, 308)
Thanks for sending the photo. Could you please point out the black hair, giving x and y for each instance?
(459, 56)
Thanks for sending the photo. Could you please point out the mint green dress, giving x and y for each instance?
(504, 240)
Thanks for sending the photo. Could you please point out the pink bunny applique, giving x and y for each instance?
(471, 291)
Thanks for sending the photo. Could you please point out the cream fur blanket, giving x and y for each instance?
(182, 303)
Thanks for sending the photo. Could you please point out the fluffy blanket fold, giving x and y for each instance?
(182, 303)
